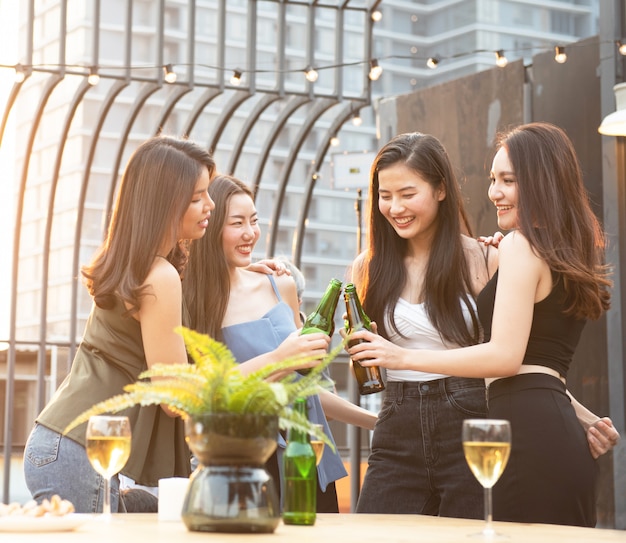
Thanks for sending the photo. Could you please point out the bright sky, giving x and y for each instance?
(8, 55)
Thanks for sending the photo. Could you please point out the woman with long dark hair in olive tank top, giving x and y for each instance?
(135, 282)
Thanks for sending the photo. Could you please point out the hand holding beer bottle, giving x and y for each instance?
(323, 318)
(368, 378)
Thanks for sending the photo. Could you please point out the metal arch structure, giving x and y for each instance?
(83, 87)
(199, 106)
(114, 91)
(49, 88)
(148, 90)
(298, 240)
(253, 117)
(237, 98)
(316, 112)
(191, 98)
(292, 105)
(169, 106)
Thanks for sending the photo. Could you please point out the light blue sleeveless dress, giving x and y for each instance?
(249, 339)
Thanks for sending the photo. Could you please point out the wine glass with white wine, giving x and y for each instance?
(487, 445)
(108, 449)
(317, 444)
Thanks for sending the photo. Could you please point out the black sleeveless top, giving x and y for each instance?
(553, 335)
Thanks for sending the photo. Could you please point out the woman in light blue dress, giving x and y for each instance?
(257, 316)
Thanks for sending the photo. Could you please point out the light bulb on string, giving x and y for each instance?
(236, 77)
(501, 60)
(93, 78)
(375, 70)
(376, 15)
(311, 74)
(621, 47)
(559, 54)
(356, 119)
(432, 62)
(334, 141)
(170, 74)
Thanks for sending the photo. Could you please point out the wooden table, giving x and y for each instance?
(329, 528)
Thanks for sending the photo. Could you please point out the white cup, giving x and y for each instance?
(172, 492)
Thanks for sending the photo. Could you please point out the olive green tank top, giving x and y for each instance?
(111, 356)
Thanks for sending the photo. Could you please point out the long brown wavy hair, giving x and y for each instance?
(206, 288)
(447, 279)
(155, 192)
(555, 216)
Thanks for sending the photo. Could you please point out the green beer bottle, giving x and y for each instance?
(300, 475)
(369, 379)
(323, 318)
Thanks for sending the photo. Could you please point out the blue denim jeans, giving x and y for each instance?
(417, 465)
(55, 464)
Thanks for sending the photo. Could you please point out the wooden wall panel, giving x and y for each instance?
(465, 115)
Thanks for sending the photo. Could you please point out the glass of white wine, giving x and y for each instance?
(487, 446)
(317, 444)
(108, 449)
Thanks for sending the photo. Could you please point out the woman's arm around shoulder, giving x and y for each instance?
(521, 271)
(482, 261)
(289, 294)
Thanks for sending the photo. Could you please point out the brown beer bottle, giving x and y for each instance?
(368, 378)
(323, 318)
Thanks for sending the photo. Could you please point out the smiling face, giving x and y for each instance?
(503, 190)
(241, 231)
(408, 202)
(196, 219)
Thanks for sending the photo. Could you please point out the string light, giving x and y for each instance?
(356, 120)
(621, 47)
(501, 60)
(170, 74)
(311, 74)
(375, 70)
(559, 54)
(20, 73)
(432, 62)
(236, 78)
(93, 78)
(376, 16)
(334, 141)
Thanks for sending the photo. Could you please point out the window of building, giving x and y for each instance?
(562, 23)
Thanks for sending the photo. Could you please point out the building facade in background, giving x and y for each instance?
(459, 37)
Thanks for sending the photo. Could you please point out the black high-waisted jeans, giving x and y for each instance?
(417, 465)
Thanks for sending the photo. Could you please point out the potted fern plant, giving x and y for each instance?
(231, 424)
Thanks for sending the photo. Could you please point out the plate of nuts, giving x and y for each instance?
(53, 515)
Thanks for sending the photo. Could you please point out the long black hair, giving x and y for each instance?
(447, 280)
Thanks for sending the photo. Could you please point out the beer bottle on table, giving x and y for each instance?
(323, 318)
(300, 475)
(368, 378)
